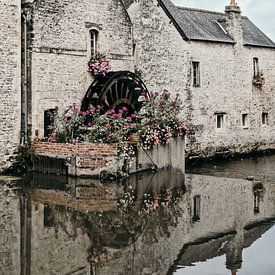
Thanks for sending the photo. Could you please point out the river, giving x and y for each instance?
(216, 219)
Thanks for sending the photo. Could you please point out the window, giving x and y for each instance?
(255, 67)
(220, 121)
(48, 216)
(48, 121)
(256, 203)
(93, 42)
(196, 208)
(264, 119)
(196, 73)
(245, 120)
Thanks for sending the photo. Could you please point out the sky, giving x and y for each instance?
(260, 12)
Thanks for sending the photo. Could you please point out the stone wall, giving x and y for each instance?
(9, 80)
(10, 228)
(226, 87)
(160, 52)
(60, 49)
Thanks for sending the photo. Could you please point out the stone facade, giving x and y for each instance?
(10, 96)
(134, 35)
(226, 75)
(60, 49)
(10, 228)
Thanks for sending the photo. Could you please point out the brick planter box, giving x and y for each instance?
(82, 159)
(91, 159)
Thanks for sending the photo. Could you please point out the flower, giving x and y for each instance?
(98, 64)
(259, 80)
(156, 123)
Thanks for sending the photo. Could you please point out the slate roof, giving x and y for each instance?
(210, 248)
(203, 25)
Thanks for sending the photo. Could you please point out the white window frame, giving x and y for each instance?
(93, 42)
(220, 121)
(196, 77)
(264, 118)
(256, 68)
(245, 120)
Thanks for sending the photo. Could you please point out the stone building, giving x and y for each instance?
(54, 41)
(212, 59)
(10, 80)
(62, 38)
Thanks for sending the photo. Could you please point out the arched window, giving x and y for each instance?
(93, 42)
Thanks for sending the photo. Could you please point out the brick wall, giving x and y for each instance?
(82, 159)
(9, 80)
(81, 150)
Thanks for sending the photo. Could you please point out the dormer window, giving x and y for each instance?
(93, 42)
(222, 25)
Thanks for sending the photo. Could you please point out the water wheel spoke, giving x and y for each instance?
(116, 90)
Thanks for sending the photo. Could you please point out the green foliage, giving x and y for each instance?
(156, 123)
(23, 162)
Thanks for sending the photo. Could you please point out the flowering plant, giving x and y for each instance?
(259, 80)
(156, 123)
(98, 64)
(160, 120)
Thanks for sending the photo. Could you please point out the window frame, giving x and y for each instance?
(256, 68)
(48, 121)
(93, 42)
(220, 120)
(245, 121)
(264, 119)
(196, 77)
(196, 208)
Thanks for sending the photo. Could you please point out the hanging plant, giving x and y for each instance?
(98, 64)
(259, 80)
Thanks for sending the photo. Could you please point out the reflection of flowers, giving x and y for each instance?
(100, 257)
(150, 202)
(127, 199)
(98, 64)
(166, 197)
(259, 80)
(258, 189)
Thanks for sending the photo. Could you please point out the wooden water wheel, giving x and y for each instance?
(116, 90)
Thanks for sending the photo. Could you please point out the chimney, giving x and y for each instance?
(234, 22)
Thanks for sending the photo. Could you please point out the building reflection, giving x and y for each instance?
(149, 223)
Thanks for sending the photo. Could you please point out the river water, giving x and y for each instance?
(216, 219)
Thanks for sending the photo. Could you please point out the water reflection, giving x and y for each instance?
(161, 223)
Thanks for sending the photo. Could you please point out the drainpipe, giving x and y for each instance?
(25, 84)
